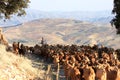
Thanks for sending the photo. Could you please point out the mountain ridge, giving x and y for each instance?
(94, 17)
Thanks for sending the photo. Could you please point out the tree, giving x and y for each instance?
(10, 7)
(116, 20)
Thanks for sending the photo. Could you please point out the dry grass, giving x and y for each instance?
(14, 67)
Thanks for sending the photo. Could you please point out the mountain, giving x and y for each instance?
(63, 31)
(95, 17)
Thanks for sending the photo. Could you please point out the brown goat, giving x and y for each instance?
(16, 48)
(88, 73)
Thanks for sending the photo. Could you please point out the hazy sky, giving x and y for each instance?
(71, 5)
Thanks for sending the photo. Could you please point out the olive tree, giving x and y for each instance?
(116, 20)
(10, 7)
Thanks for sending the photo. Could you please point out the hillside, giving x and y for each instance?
(63, 31)
(14, 67)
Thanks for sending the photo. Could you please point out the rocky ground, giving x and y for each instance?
(14, 67)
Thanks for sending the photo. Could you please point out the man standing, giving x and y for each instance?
(2, 38)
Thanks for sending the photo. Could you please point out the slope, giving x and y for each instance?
(14, 67)
(63, 31)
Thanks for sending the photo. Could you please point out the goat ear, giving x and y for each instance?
(107, 68)
(83, 76)
(89, 72)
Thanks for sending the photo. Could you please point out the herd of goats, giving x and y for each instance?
(79, 62)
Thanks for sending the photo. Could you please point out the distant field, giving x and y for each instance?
(63, 31)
